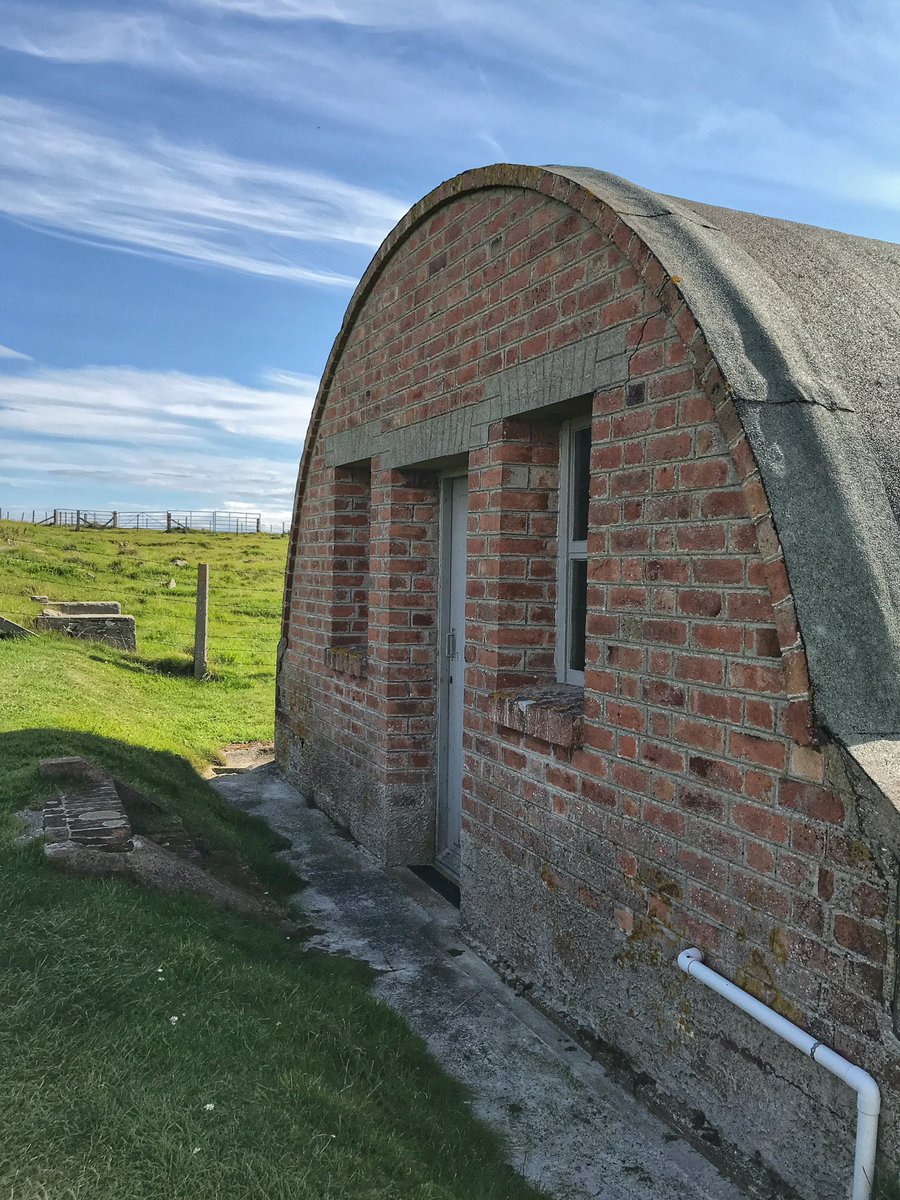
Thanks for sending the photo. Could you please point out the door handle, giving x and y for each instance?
(451, 644)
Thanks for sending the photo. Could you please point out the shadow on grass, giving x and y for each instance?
(177, 665)
(188, 801)
(172, 666)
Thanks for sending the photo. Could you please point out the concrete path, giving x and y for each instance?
(568, 1127)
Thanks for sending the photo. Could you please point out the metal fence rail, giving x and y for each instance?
(174, 521)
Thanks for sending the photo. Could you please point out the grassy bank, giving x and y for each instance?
(143, 715)
(153, 1045)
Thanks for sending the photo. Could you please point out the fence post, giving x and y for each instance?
(168, 522)
(115, 520)
(77, 519)
(201, 620)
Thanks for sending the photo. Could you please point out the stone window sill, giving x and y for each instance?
(552, 713)
(347, 660)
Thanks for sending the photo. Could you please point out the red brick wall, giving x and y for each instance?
(511, 593)
(349, 596)
(697, 808)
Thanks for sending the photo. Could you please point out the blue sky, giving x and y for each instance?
(189, 190)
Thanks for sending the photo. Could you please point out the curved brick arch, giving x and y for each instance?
(675, 305)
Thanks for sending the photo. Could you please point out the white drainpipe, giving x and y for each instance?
(868, 1097)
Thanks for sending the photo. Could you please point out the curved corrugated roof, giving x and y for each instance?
(805, 325)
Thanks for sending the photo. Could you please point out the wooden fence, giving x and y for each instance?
(181, 521)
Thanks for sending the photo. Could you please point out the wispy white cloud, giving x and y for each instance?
(156, 408)
(189, 202)
(146, 439)
(83, 36)
(8, 352)
(291, 381)
(141, 479)
(766, 149)
(380, 14)
(364, 86)
(502, 80)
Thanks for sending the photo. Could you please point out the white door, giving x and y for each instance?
(451, 650)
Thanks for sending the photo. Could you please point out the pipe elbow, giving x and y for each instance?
(868, 1095)
(687, 958)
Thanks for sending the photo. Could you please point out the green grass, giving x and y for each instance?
(143, 715)
(319, 1091)
(136, 568)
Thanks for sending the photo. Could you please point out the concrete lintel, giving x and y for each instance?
(353, 445)
(597, 362)
(437, 437)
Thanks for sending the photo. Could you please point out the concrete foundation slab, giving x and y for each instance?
(568, 1127)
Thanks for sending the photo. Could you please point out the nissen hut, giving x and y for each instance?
(593, 604)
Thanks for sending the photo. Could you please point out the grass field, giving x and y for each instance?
(155, 1048)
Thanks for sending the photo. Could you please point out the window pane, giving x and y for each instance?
(577, 613)
(581, 482)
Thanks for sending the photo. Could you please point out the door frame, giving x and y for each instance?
(445, 484)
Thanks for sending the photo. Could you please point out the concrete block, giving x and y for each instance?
(67, 767)
(115, 629)
(10, 630)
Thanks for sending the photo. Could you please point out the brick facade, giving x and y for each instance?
(686, 796)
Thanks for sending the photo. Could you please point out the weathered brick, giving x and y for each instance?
(861, 939)
(816, 803)
(703, 735)
(768, 752)
(762, 822)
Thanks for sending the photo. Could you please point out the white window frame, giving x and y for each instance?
(569, 550)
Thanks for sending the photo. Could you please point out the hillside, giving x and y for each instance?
(153, 575)
(143, 715)
(156, 1046)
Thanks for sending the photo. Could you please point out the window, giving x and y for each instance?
(574, 493)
